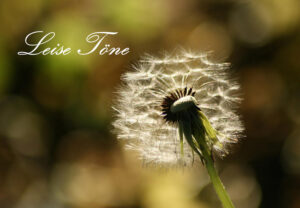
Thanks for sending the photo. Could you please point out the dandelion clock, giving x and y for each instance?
(179, 110)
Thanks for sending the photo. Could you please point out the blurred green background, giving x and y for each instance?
(56, 149)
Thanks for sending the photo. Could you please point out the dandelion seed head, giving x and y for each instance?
(156, 90)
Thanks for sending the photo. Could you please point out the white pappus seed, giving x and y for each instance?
(158, 88)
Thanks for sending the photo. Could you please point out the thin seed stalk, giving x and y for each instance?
(216, 181)
(196, 138)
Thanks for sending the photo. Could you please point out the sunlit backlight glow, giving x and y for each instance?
(154, 96)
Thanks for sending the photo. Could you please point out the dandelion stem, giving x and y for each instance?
(202, 136)
(197, 139)
(216, 181)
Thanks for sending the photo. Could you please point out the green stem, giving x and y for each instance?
(217, 183)
(198, 143)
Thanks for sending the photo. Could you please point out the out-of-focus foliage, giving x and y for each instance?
(56, 149)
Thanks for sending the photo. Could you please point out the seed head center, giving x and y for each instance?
(177, 102)
(183, 103)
